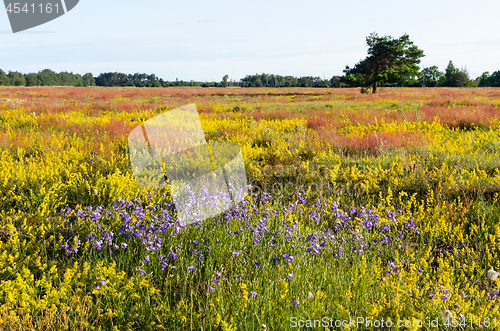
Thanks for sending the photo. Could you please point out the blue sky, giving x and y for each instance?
(204, 40)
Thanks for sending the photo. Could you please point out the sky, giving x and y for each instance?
(205, 40)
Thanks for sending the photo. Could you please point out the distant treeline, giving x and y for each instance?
(45, 77)
(456, 77)
(265, 80)
(487, 80)
(430, 76)
(48, 77)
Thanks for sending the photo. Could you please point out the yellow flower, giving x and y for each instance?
(283, 289)
(244, 294)
(217, 320)
(227, 327)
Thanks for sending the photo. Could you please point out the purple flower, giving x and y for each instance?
(163, 265)
(216, 282)
(290, 276)
(295, 302)
(382, 280)
(455, 306)
(210, 288)
(142, 271)
(492, 294)
(420, 271)
(443, 297)
(191, 267)
(462, 295)
(253, 294)
(257, 263)
(98, 244)
(217, 274)
(103, 281)
(96, 286)
(237, 253)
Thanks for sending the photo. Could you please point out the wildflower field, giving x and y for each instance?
(383, 207)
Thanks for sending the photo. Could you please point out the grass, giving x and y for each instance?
(361, 205)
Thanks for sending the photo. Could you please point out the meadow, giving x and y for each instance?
(377, 206)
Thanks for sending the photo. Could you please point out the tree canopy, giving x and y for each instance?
(487, 80)
(455, 77)
(431, 76)
(389, 59)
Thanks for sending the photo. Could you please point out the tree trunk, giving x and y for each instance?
(374, 87)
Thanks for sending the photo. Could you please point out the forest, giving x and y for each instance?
(427, 77)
